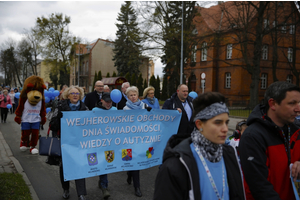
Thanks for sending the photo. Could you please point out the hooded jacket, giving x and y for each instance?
(264, 159)
(178, 177)
(186, 125)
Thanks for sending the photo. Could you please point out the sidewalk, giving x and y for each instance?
(9, 164)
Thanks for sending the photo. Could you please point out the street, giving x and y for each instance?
(45, 178)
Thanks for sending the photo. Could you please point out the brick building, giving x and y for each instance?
(218, 53)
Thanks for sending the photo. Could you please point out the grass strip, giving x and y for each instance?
(13, 187)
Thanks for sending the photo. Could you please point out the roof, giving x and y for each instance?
(84, 47)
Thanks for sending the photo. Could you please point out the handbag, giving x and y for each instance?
(49, 146)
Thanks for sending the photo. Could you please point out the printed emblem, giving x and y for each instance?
(150, 152)
(126, 154)
(109, 156)
(92, 159)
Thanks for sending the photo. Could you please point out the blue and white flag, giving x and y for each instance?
(102, 142)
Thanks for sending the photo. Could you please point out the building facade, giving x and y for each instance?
(98, 57)
(219, 53)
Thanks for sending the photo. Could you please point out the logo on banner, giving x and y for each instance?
(109, 156)
(150, 152)
(92, 159)
(126, 154)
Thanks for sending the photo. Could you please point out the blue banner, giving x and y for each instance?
(102, 142)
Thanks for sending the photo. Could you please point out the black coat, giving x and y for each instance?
(178, 177)
(186, 126)
(121, 104)
(91, 99)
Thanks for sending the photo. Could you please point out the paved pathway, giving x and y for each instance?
(9, 164)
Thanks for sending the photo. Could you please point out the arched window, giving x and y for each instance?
(229, 51)
(228, 80)
(290, 55)
(265, 52)
(264, 80)
(204, 52)
(194, 53)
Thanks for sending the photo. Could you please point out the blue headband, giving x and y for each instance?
(212, 111)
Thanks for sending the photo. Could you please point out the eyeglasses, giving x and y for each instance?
(99, 85)
(74, 93)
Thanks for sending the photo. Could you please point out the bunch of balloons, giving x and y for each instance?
(50, 94)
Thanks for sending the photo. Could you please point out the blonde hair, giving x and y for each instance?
(66, 92)
(132, 89)
(5, 90)
(146, 90)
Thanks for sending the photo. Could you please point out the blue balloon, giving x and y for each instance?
(8, 106)
(50, 94)
(47, 99)
(116, 95)
(56, 93)
(193, 94)
(46, 93)
(51, 89)
(17, 95)
(52, 98)
(48, 109)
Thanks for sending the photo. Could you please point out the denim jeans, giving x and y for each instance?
(103, 181)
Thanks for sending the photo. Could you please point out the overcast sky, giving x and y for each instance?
(89, 19)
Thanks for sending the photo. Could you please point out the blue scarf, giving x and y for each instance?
(151, 100)
(136, 105)
(74, 107)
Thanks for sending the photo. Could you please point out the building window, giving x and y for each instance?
(194, 53)
(275, 24)
(266, 23)
(227, 80)
(283, 28)
(292, 29)
(264, 81)
(290, 55)
(87, 67)
(289, 78)
(229, 51)
(204, 52)
(265, 52)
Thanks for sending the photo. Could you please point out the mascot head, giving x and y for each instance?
(33, 90)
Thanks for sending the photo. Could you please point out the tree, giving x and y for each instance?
(157, 87)
(133, 79)
(127, 49)
(35, 41)
(95, 79)
(121, 74)
(140, 84)
(164, 95)
(107, 75)
(57, 42)
(127, 77)
(153, 81)
(145, 84)
(99, 77)
(114, 74)
(162, 26)
(24, 51)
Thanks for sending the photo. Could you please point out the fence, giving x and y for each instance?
(238, 108)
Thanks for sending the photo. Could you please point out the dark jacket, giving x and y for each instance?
(121, 104)
(186, 126)
(62, 105)
(264, 159)
(91, 99)
(178, 177)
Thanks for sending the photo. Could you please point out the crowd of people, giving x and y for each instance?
(200, 161)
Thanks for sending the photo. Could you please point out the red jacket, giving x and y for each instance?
(4, 104)
(264, 159)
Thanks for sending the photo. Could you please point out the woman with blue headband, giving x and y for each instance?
(202, 166)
